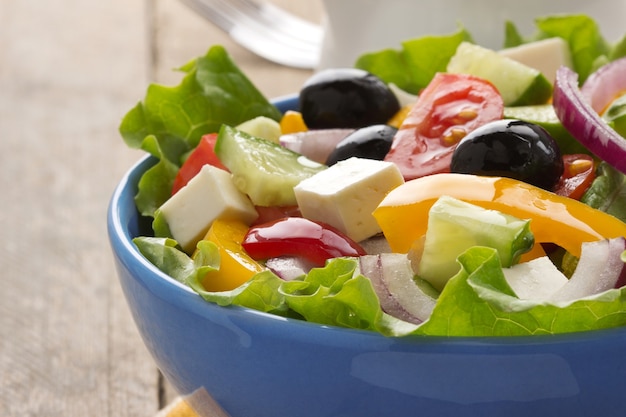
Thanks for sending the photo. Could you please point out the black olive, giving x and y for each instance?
(513, 149)
(371, 142)
(346, 98)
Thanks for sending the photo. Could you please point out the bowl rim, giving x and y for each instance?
(185, 297)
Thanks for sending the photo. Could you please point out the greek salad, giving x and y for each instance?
(441, 188)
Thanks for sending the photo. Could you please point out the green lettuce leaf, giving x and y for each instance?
(327, 296)
(512, 36)
(618, 50)
(335, 295)
(170, 121)
(607, 192)
(479, 302)
(165, 254)
(413, 66)
(331, 295)
(259, 293)
(587, 45)
(155, 185)
(476, 302)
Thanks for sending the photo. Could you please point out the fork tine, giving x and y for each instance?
(287, 22)
(265, 30)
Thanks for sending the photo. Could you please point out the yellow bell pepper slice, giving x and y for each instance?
(292, 122)
(397, 119)
(236, 267)
(403, 213)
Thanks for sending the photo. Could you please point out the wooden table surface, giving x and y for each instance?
(69, 71)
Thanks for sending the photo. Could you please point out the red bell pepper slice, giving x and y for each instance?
(297, 236)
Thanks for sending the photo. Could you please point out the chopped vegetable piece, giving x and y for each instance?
(292, 122)
(519, 84)
(264, 170)
(397, 119)
(578, 174)
(316, 144)
(545, 55)
(170, 121)
(236, 266)
(202, 155)
(605, 85)
(449, 108)
(261, 127)
(455, 226)
(394, 281)
(314, 241)
(403, 214)
(545, 116)
(584, 123)
(599, 269)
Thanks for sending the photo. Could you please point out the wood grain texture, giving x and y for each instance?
(69, 70)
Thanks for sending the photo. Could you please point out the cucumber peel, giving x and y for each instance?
(264, 170)
(455, 226)
(545, 116)
(518, 84)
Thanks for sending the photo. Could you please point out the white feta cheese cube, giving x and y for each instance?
(211, 194)
(346, 194)
(545, 55)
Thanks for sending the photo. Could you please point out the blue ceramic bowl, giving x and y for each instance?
(258, 365)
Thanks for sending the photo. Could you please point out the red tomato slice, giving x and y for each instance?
(578, 174)
(202, 155)
(450, 107)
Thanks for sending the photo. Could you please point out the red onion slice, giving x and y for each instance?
(584, 123)
(392, 278)
(288, 267)
(605, 85)
(599, 269)
(314, 144)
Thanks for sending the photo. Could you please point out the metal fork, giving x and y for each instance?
(265, 29)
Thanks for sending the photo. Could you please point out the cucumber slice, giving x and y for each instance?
(545, 55)
(262, 127)
(545, 116)
(455, 226)
(264, 170)
(518, 84)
